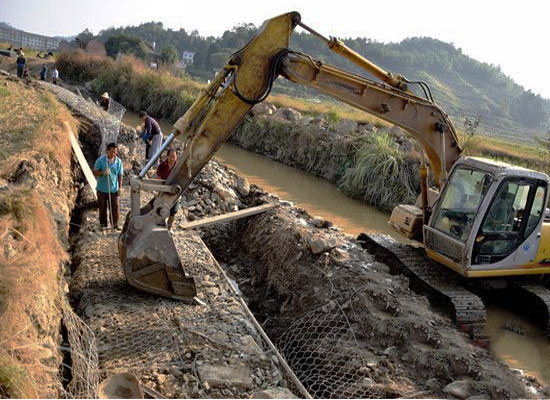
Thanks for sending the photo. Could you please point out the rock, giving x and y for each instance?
(262, 109)
(433, 384)
(391, 352)
(226, 194)
(162, 379)
(274, 393)
(319, 222)
(225, 376)
(243, 187)
(320, 243)
(290, 114)
(458, 389)
(346, 126)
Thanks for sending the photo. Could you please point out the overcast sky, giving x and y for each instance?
(511, 34)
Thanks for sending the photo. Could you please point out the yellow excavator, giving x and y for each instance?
(484, 219)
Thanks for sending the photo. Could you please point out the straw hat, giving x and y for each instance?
(105, 95)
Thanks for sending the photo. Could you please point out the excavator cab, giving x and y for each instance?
(488, 220)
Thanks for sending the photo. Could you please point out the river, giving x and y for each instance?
(528, 351)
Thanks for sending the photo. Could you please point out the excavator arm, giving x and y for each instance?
(148, 253)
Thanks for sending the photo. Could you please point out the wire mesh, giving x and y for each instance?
(84, 361)
(321, 349)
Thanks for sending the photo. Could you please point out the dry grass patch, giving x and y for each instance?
(34, 148)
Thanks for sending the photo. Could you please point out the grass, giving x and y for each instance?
(131, 83)
(34, 145)
(379, 174)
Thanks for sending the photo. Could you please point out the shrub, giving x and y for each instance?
(379, 174)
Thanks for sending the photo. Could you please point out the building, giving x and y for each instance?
(19, 38)
(187, 57)
(94, 46)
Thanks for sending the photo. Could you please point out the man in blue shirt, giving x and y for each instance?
(108, 170)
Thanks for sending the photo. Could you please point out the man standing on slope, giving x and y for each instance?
(21, 64)
(152, 134)
(108, 168)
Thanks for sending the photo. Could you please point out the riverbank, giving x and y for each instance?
(37, 194)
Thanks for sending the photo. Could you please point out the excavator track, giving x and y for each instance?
(533, 301)
(443, 289)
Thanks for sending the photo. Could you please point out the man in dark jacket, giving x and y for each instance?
(43, 72)
(21, 64)
(151, 135)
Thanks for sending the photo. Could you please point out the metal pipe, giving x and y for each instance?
(157, 154)
(313, 32)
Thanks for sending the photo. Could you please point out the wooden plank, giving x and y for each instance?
(247, 212)
(90, 178)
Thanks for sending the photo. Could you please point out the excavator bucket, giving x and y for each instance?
(152, 263)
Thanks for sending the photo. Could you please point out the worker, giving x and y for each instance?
(163, 171)
(151, 133)
(55, 75)
(104, 101)
(43, 72)
(108, 169)
(21, 64)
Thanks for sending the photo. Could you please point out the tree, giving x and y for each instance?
(128, 45)
(84, 37)
(169, 55)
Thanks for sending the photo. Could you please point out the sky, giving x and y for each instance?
(510, 34)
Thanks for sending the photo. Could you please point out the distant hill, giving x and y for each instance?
(462, 85)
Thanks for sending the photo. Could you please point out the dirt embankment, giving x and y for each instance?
(37, 194)
(345, 324)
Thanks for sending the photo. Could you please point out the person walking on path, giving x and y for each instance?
(55, 75)
(43, 72)
(109, 170)
(21, 64)
(163, 171)
(151, 133)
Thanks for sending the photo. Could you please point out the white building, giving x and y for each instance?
(19, 38)
(187, 57)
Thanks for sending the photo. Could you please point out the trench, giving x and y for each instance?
(523, 348)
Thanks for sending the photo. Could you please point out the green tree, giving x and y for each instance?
(169, 55)
(84, 37)
(126, 44)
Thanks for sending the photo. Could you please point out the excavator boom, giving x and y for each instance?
(149, 256)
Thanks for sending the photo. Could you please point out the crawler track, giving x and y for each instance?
(449, 291)
(444, 289)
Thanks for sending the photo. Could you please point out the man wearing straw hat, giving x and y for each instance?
(108, 169)
(104, 101)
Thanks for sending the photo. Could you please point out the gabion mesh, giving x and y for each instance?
(84, 361)
(321, 349)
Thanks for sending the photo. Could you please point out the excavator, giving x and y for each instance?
(482, 219)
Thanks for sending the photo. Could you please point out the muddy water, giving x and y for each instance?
(529, 351)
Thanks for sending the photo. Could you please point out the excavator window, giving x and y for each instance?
(513, 215)
(460, 202)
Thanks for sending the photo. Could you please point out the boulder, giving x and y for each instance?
(319, 243)
(458, 389)
(346, 126)
(226, 194)
(242, 186)
(290, 114)
(226, 376)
